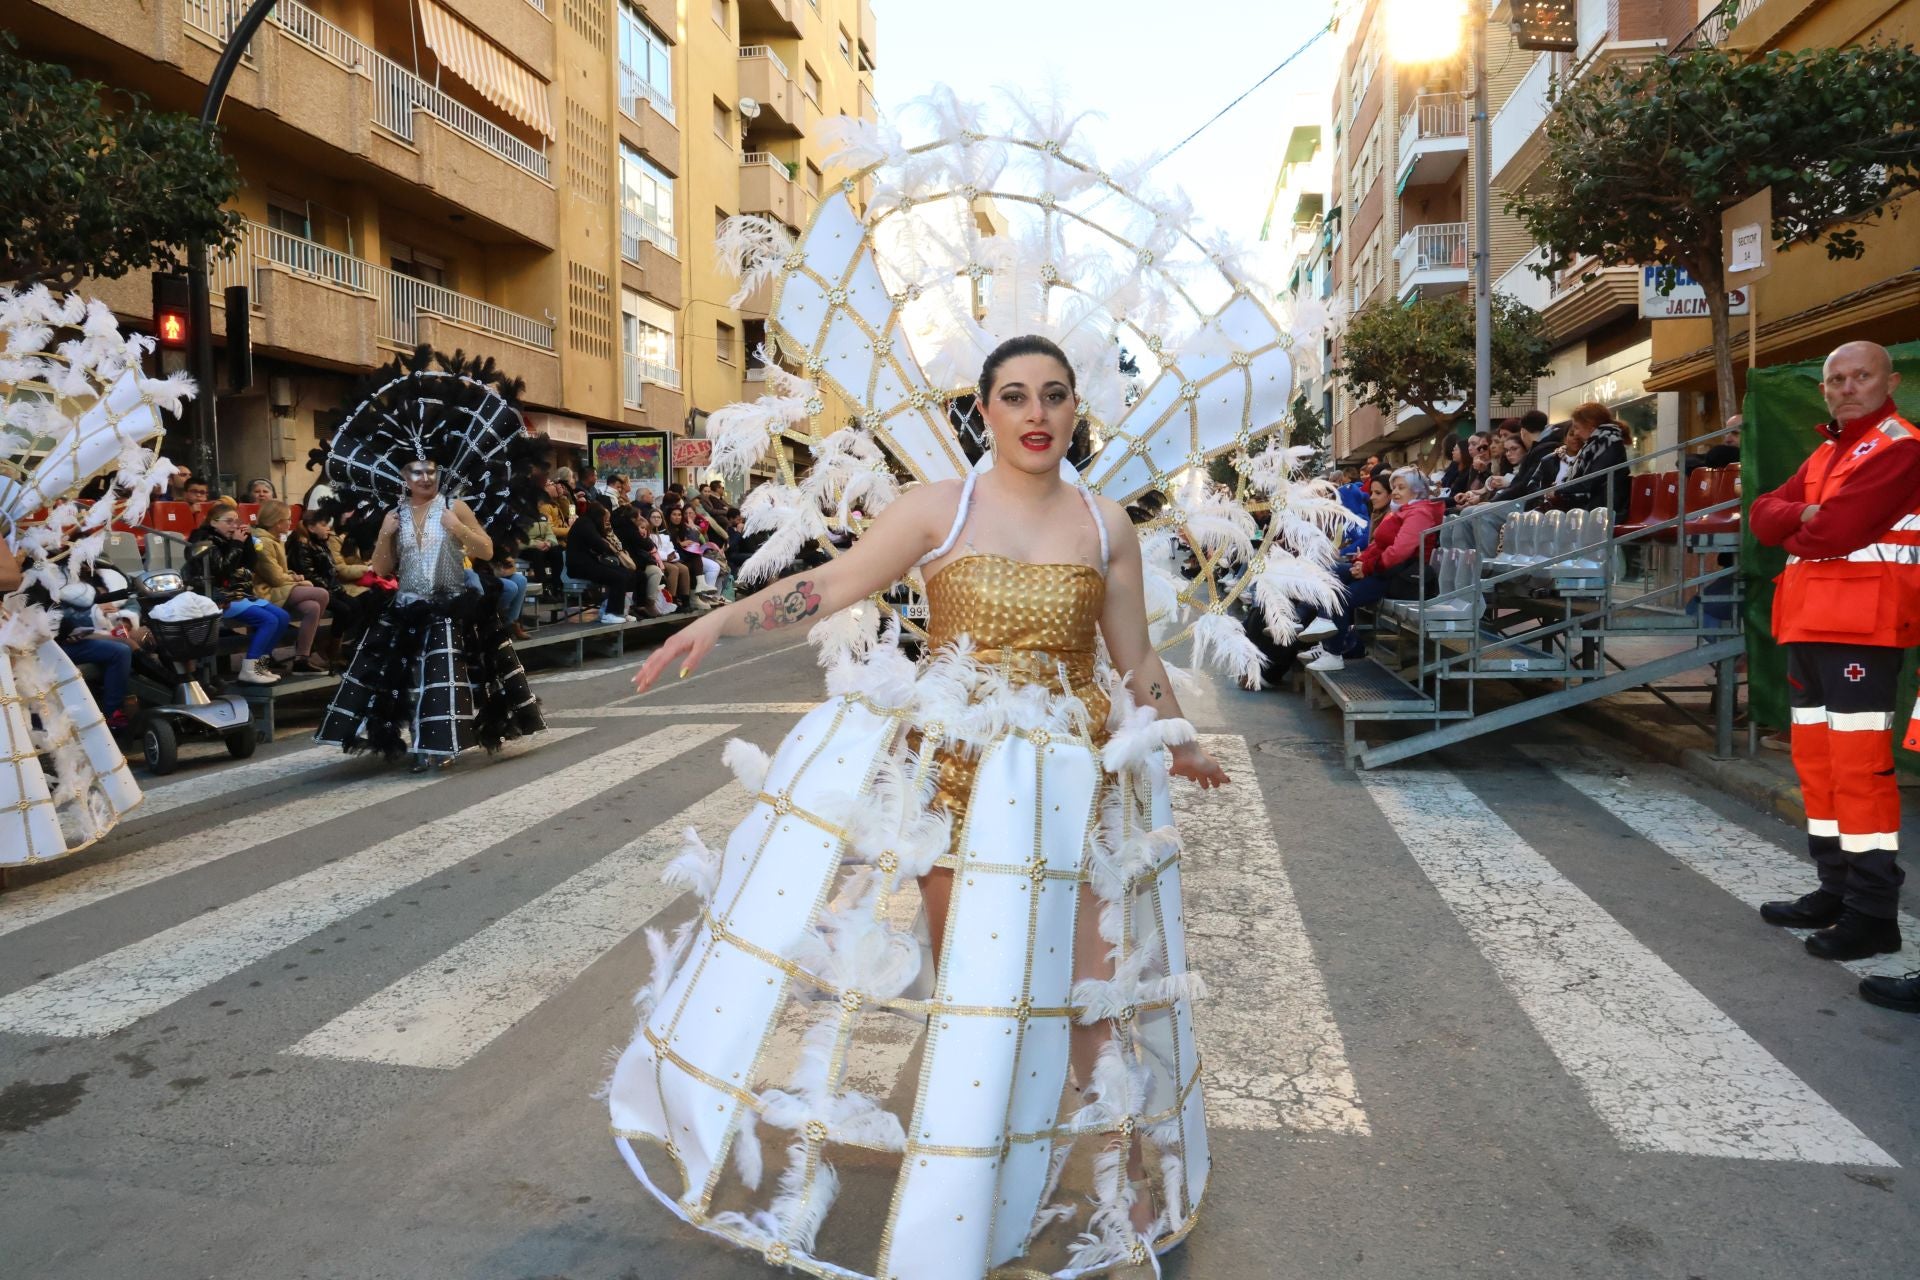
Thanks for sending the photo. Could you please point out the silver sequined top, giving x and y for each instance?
(431, 562)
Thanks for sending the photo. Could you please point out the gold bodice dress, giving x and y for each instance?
(805, 1069)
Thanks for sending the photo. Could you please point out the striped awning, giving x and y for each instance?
(505, 83)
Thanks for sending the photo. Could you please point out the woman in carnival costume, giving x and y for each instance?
(75, 407)
(436, 673)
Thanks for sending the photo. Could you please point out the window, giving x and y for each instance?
(721, 17)
(846, 46)
(722, 122)
(646, 65)
(810, 84)
(813, 180)
(646, 205)
(646, 342)
(288, 220)
(723, 342)
(410, 262)
(720, 217)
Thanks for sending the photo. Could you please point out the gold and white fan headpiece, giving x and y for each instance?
(983, 234)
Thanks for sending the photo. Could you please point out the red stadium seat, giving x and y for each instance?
(1665, 505)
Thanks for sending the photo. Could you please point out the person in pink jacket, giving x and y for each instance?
(1389, 564)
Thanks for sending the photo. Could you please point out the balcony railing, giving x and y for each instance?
(402, 298)
(637, 372)
(766, 51)
(1714, 28)
(634, 229)
(397, 92)
(770, 160)
(1432, 245)
(633, 88)
(1434, 115)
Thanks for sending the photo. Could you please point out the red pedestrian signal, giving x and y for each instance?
(172, 305)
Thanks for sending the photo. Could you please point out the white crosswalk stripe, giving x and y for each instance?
(172, 795)
(84, 886)
(1661, 1065)
(449, 1009)
(695, 709)
(1276, 1057)
(123, 986)
(1750, 867)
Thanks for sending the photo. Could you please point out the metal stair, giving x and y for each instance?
(1533, 599)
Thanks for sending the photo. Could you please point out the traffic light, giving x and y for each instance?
(172, 311)
(239, 339)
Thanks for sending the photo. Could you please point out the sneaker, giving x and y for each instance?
(1317, 628)
(613, 617)
(252, 673)
(1327, 662)
(119, 722)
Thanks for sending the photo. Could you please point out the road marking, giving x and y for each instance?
(1750, 867)
(665, 685)
(118, 989)
(451, 1008)
(1275, 1055)
(587, 673)
(164, 799)
(1663, 1067)
(618, 712)
(85, 886)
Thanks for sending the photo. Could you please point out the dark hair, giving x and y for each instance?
(1508, 425)
(1534, 420)
(596, 515)
(1030, 344)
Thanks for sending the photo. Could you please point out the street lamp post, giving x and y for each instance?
(206, 445)
(1482, 235)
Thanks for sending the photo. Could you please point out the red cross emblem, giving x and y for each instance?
(1864, 448)
(1855, 672)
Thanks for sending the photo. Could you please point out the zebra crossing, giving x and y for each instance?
(1660, 1066)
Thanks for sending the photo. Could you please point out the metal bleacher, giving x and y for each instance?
(1542, 602)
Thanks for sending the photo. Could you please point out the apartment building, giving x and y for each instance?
(1400, 224)
(1809, 303)
(1299, 236)
(533, 180)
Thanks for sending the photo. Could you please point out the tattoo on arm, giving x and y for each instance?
(1154, 689)
(796, 604)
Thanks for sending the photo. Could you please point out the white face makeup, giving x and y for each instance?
(423, 478)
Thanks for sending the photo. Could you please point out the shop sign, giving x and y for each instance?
(692, 453)
(1685, 301)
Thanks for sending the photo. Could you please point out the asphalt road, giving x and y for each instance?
(1507, 1012)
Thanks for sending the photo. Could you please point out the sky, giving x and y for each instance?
(1156, 71)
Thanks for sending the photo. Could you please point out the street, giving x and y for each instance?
(1507, 1011)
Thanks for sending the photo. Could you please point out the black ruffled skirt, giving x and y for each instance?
(433, 677)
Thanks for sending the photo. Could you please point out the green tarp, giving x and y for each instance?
(1782, 412)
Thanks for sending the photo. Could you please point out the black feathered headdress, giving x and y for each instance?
(458, 413)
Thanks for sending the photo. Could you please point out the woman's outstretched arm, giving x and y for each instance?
(909, 528)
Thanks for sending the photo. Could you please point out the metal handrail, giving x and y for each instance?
(768, 159)
(1712, 30)
(1433, 244)
(634, 229)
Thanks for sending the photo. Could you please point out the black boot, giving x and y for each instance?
(1815, 910)
(1893, 993)
(1855, 937)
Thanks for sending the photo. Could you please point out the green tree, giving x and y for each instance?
(88, 191)
(1643, 160)
(1422, 354)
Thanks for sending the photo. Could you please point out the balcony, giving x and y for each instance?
(776, 19)
(325, 83)
(1522, 285)
(651, 394)
(648, 261)
(647, 122)
(1433, 259)
(325, 305)
(1433, 139)
(1576, 305)
(765, 79)
(1516, 140)
(767, 187)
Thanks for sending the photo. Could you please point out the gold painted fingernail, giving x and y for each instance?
(683, 672)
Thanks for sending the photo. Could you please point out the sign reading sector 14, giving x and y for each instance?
(1686, 301)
